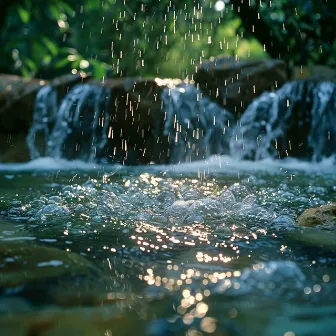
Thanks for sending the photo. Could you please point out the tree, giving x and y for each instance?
(159, 38)
(297, 31)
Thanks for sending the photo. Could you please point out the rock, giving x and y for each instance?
(84, 321)
(17, 96)
(13, 147)
(324, 215)
(316, 72)
(234, 84)
(135, 117)
(22, 263)
(17, 100)
(314, 238)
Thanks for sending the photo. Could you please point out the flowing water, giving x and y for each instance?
(204, 247)
(201, 248)
(196, 126)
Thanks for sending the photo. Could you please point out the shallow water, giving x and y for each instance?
(196, 249)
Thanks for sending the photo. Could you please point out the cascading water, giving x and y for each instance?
(44, 114)
(80, 122)
(297, 120)
(195, 126)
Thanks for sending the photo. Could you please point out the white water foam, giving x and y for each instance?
(50, 164)
(214, 165)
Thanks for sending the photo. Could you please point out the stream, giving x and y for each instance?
(209, 247)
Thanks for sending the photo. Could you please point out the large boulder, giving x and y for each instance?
(235, 83)
(118, 120)
(134, 111)
(136, 119)
(17, 98)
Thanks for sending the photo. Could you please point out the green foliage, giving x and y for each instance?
(306, 29)
(156, 38)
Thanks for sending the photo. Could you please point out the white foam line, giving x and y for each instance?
(49, 164)
(225, 164)
(214, 165)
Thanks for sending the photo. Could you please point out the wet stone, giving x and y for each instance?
(325, 215)
(23, 263)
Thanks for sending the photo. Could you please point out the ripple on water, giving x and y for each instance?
(192, 242)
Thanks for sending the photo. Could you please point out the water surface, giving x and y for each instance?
(196, 249)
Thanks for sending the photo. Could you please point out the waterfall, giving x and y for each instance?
(80, 123)
(195, 126)
(297, 120)
(45, 112)
(81, 126)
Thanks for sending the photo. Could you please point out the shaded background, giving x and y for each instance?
(166, 38)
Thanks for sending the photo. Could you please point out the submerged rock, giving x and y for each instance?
(314, 238)
(324, 215)
(84, 321)
(22, 263)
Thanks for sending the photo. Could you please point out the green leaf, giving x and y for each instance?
(25, 72)
(55, 12)
(66, 8)
(52, 47)
(62, 63)
(99, 69)
(47, 60)
(30, 64)
(24, 14)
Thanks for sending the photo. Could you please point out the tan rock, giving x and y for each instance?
(17, 99)
(324, 215)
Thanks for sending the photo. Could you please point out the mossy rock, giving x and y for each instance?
(79, 321)
(324, 215)
(22, 263)
(315, 238)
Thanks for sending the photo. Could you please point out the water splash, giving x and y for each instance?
(297, 120)
(195, 126)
